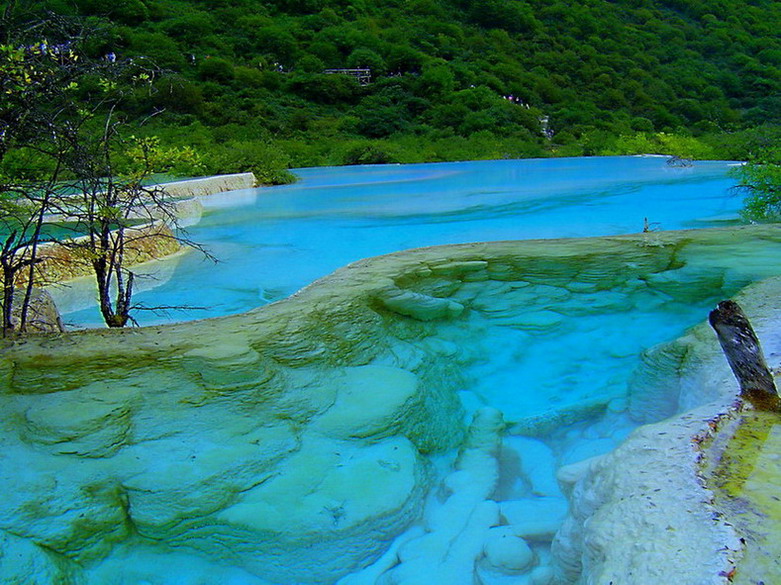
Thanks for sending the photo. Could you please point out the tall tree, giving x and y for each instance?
(34, 77)
(63, 109)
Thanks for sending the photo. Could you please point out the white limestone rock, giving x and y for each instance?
(569, 475)
(507, 552)
(372, 401)
(587, 449)
(641, 515)
(447, 554)
(146, 564)
(457, 528)
(24, 563)
(534, 518)
(484, 433)
(210, 185)
(458, 268)
(542, 575)
(527, 462)
(419, 306)
(319, 518)
(182, 478)
(227, 366)
(371, 574)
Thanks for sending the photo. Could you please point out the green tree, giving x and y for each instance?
(109, 203)
(366, 58)
(37, 79)
(760, 181)
(132, 12)
(81, 141)
(216, 69)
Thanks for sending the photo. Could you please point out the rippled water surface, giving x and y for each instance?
(272, 241)
(552, 351)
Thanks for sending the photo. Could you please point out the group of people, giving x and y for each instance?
(516, 100)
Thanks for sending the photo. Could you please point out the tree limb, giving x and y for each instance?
(744, 355)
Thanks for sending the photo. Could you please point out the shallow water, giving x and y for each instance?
(553, 349)
(272, 241)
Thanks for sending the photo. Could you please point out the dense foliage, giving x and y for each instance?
(760, 180)
(246, 86)
(67, 156)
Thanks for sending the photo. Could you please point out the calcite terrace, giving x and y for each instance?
(691, 499)
(295, 442)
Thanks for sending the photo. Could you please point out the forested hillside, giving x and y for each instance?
(450, 79)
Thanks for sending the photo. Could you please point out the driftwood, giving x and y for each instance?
(744, 354)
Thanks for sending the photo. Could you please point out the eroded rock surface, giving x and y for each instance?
(689, 499)
(299, 443)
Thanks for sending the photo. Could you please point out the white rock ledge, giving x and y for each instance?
(295, 443)
(643, 513)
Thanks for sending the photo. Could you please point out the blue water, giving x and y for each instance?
(272, 241)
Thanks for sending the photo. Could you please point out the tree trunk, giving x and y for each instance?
(744, 355)
(8, 299)
(104, 290)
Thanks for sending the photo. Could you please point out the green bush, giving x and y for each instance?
(159, 48)
(216, 69)
(367, 153)
(268, 162)
(366, 58)
(310, 64)
(177, 94)
(325, 89)
(131, 12)
(277, 42)
(760, 180)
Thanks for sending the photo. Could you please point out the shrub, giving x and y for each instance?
(268, 162)
(216, 69)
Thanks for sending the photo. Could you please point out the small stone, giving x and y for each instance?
(536, 461)
(418, 306)
(507, 552)
(569, 475)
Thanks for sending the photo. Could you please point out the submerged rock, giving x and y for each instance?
(507, 552)
(357, 412)
(314, 516)
(296, 442)
(419, 306)
(534, 518)
(680, 500)
(534, 463)
(24, 563)
(457, 529)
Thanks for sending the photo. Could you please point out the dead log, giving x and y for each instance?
(744, 355)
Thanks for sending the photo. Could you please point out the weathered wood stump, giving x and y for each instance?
(744, 355)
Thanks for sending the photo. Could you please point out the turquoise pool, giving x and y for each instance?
(229, 442)
(270, 242)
